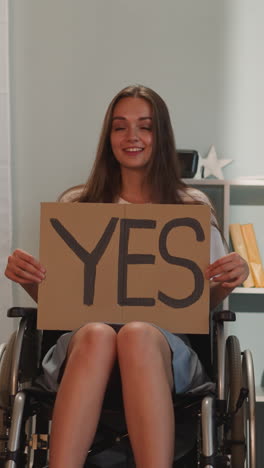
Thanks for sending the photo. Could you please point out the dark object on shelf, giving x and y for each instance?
(189, 163)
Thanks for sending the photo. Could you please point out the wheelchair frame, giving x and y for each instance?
(226, 420)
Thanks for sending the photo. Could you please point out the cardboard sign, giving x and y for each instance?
(122, 262)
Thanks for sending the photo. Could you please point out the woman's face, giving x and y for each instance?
(131, 133)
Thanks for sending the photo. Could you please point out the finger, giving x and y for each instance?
(20, 280)
(216, 267)
(25, 256)
(239, 279)
(224, 277)
(231, 257)
(233, 272)
(232, 284)
(225, 265)
(218, 271)
(230, 281)
(21, 276)
(21, 266)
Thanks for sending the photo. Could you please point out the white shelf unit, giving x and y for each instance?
(234, 201)
(246, 206)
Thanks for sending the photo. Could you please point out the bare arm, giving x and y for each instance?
(225, 274)
(24, 269)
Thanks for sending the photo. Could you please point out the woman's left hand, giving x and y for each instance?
(230, 270)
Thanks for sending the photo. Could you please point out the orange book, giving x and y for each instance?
(253, 254)
(240, 247)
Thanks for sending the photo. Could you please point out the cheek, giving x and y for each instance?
(149, 140)
(114, 140)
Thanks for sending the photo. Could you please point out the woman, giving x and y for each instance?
(136, 163)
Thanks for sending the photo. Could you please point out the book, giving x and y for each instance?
(240, 247)
(253, 254)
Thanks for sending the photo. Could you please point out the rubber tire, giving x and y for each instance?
(250, 407)
(234, 383)
(2, 425)
(5, 371)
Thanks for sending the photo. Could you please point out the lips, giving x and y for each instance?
(133, 150)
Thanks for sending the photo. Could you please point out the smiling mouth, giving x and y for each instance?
(133, 150)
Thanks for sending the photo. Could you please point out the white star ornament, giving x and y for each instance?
(213, 165)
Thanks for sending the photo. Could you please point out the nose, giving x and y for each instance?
(132, 134)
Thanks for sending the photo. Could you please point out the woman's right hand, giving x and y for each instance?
(24, 269)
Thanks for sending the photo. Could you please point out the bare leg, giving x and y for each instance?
(145, 364)
(91, 355)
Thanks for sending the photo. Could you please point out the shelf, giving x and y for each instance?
(205, 182)
(259, 394)
(248, 182)
(248, 291)
(247, 192)
(245, 183)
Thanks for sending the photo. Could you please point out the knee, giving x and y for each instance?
(135, 339)
(93, 337)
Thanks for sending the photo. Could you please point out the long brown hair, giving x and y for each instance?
(163, 175)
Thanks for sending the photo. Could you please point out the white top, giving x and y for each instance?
(217, 249)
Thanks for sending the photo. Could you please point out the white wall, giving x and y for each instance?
(69, 57)
(5, 182)
(242, 125)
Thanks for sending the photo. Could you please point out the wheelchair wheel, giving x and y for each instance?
(250, 408)
(236, 425)
(2, 425)
(5, 371)
(6, 354)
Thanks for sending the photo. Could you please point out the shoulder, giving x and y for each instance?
(71, 195)
(193, 194)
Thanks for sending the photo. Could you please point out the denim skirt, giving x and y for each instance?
(188, 372)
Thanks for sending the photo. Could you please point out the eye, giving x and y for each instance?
(149, 129)
(118, 129)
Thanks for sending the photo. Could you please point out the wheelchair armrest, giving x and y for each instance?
(27, 312)
(224, 316)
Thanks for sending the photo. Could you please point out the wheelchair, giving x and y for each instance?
(219, 426)
(213, 430)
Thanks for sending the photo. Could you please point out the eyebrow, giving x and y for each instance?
(123, 118)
